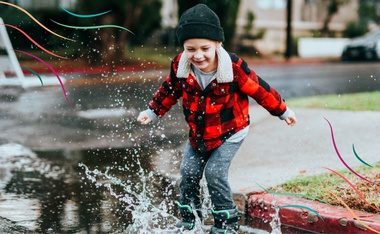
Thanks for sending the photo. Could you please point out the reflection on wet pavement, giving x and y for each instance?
(42, 186)
(51, 192)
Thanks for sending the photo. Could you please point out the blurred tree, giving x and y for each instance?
(355, 29)
(246, 43)
(369, 13)
(227, 11)
(15, 17)
(106, 45)
(250, 17)
(332, 7)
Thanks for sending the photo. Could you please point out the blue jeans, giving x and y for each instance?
(215, 165)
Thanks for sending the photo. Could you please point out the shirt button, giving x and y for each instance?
(202, 97)
(222, 90)
(213, 84)
(199, 135)
(199, 117)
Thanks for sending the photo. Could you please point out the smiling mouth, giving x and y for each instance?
(199, 62)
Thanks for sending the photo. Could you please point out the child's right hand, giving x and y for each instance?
(143, 118)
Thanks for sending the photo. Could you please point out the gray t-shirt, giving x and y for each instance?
(202, 78)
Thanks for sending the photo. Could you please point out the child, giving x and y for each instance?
(214, 86)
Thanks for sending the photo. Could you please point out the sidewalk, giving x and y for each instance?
(274, 153)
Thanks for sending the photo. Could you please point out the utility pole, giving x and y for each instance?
(288, 51)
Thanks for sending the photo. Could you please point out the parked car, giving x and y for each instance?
(366, 47)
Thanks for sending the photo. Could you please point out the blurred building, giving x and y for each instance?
(307, 20)
(268, 31)
(270, 21)
(44, 4)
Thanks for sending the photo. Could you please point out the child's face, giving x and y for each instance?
(202, 53)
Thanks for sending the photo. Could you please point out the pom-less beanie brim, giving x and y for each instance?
(207, 31)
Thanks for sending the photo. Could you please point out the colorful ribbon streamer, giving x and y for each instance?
(352, 186)
(357, 156)
(84, 16)
(340, 157)
(302, 207)
(94, 27)
(293, 194)
(34, 42)
(55, 73)
(35, 73)
(35, 20)
(353, 213)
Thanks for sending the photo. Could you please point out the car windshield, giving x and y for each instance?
(374, 34)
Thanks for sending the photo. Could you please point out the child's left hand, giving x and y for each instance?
(291, 120)
(144, 118)
(289, 116)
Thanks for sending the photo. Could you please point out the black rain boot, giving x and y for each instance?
(225, 221)
(188, 217)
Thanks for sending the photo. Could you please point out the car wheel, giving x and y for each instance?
(370, 55)
(345, 58)
(376, 56)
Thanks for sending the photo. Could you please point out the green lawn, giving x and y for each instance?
(367, 101)
(318, 185)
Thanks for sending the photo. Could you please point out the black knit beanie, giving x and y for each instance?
(199, 22)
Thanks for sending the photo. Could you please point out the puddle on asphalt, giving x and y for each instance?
(90, 191)
(53, 192)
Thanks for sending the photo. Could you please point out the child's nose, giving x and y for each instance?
(198, 55)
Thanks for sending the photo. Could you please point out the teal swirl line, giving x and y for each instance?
(35, 73)
(84, 16)
(293, 194)
(93, 27)
(302, 207)
(357, 156)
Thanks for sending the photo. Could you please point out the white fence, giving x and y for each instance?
(321, 47)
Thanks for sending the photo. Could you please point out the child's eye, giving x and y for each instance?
(191, 50)
(206, 49)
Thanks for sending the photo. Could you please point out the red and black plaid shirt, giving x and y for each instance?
(221, 109)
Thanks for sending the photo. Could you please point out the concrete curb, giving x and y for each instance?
(335, 219)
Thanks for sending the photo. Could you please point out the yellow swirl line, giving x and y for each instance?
(353, 214)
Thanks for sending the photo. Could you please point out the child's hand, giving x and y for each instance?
(291, 120)
(143, 118)
(289, 116)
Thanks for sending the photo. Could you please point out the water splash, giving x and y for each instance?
(148, 215)
(149, 202)
(275, 223)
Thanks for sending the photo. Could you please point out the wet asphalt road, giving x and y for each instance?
(319, 79)
(40, 119)
(104, 117)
